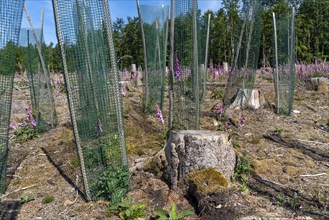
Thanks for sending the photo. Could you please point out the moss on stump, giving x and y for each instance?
(207, 181)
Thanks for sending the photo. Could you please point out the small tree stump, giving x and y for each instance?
(248, 98)
(189, 150)
(315, 83)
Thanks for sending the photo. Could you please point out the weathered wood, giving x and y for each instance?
(316, 82)
(248, 98)
(190, 150)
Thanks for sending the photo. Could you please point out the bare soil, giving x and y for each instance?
(281, 149)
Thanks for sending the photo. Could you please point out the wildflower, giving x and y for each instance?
(219, 109)
(28, 111)
(243, 120)
(214, 75)
(220, 70)
(13, 125)
(19, 65)
(177, 70)
(32, 121)
(123, 89)
(159, 115)
(99, 128)
(25, 74)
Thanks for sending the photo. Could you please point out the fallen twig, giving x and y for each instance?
(315, 142)
(324, 184)
(313, 175)
(17, 190)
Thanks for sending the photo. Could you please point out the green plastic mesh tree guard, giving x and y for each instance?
(247, 44)
(26, 36)
(154, 22)
(185, 77)
(10, 22)
(85, 37)
(284, 61)
(41, 91)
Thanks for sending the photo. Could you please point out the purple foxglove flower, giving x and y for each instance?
(159, 115)
(28, 111)
(220, 70)
(99, 128)
(219, 109)
(243, 120)
(13, 125)
(33, 122)
(211, 67)
(123, 89)
(19, 65)
(177, 70)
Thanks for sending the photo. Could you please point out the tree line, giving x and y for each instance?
(312, 34)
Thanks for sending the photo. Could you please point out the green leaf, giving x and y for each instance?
(184, 214)
(161, 213)
(172, 213)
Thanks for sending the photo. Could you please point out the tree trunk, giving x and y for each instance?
(248, 98)
(189, 150)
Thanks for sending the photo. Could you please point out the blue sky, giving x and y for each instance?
(118, 8)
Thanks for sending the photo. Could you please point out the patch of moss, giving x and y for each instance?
(323, 87)
(48, 199)
(266, 166)
(75, 161)
(133, 149)
(292, 171)
(16, 182)
(207, 180)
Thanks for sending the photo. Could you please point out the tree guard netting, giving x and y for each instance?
(85, 37)
(284, 61)
(26, 36)
(247, 44)
(154, 22)
(203, 46)
(185, 80)
(42, 99)
(10, 22)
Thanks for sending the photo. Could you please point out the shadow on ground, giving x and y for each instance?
(9, 209)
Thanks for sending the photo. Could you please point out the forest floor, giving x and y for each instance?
(283, 152)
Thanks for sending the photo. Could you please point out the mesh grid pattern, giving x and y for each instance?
(243, 71)
(185, 69)
(284, 62)
(41, 91)
(85, 36)
(26, 36)
(10, 22)
(155, 27)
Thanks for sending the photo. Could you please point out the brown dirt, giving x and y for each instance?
(49, 164)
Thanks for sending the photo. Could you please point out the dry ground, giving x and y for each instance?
(280, 149)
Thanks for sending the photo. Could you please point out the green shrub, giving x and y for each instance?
(243, 166)
(127, 210)
(26, 133)
(173, 214)
(26, 198)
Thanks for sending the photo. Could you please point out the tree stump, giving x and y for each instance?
(248, 98)
(316, 83)
(190, 150)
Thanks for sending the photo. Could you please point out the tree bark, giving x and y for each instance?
(191, 150)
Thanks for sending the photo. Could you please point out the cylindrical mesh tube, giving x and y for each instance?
(85, 37)
(10, 23)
